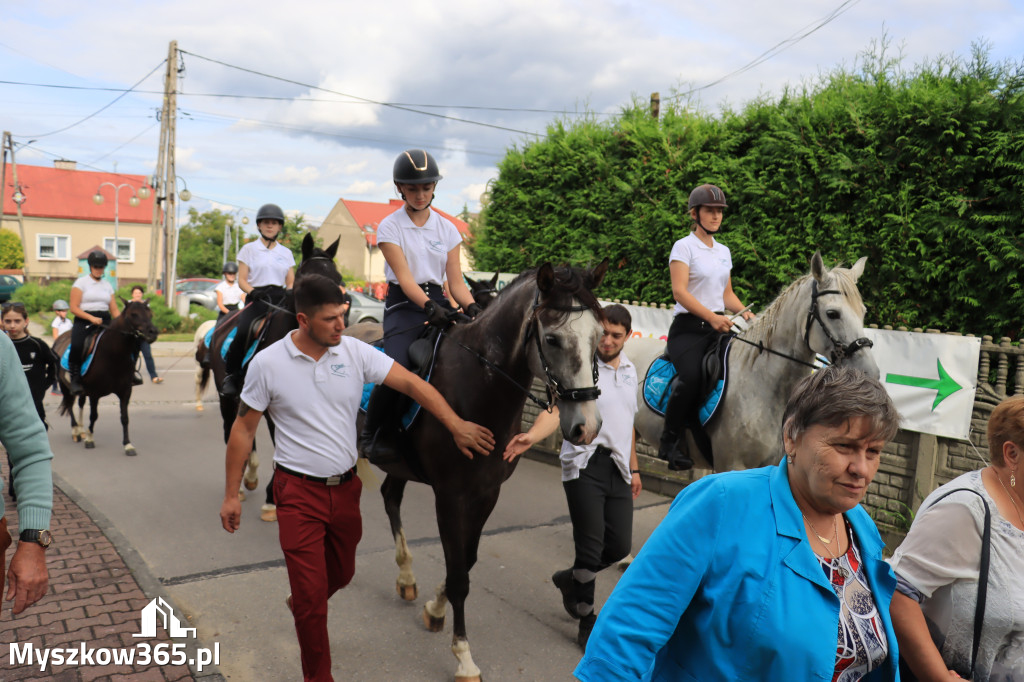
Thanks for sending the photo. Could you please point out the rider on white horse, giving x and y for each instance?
(702, 288)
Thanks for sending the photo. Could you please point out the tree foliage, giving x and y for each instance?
(919, 170)
(11, 254)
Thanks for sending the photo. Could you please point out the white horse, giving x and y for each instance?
(819, 314)
(198, 343)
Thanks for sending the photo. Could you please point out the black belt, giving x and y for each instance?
(602, 450)
(330, 480)
(396, 295)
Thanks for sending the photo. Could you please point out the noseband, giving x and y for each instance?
(839, 351)
(554, 388)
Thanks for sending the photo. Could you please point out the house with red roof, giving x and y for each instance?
(355, 222)
(61, 220)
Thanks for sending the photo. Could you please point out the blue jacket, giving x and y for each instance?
(728, 588)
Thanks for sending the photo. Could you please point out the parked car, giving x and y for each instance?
(8, 285)
(365, 308)
(199, 290)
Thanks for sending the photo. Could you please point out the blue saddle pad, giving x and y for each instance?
(414, 410)
(208, 340)
(658, 384)
(65, 362)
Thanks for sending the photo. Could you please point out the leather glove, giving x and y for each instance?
(436, 315)
(473, 310)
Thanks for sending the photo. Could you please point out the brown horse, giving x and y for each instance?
(544, 324)
(111, 370)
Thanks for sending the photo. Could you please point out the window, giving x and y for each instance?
(52, 246)
(125, 249)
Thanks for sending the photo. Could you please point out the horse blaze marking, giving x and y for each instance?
(944, 386)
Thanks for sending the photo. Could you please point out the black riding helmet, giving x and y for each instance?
(230, 268)
(415, 167)
(97, 259)
(706, 195)
(269, 212)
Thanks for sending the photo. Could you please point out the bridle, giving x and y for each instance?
(552, 385)
(839, 351)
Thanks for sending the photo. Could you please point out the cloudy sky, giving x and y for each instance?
(304, 102)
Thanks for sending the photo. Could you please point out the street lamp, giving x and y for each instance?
(369, 231)
(141, 193)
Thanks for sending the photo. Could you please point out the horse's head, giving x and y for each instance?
(566, 328)
(137, 318)
(484, 291)
(317, 261)
(834, 327)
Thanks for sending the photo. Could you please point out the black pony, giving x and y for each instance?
(111, 371)
(280, 321)
(544, 324)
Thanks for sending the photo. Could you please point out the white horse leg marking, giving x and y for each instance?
(467, 670)
(434, 610)
(403, 557)
(252, 477)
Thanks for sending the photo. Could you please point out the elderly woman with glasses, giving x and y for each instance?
(767, 574)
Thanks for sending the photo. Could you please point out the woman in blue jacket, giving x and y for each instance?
(768, 574)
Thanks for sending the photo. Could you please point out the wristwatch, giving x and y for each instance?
(41, 537)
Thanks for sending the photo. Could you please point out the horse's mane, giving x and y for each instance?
(765, 324)
(570, 283)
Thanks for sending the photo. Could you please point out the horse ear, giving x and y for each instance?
(817, 266)
(545, 277)
(332, 250)
(307, 246)
(124, 301)
(494, 280)
(470, 281)
(597, 275)
(858, 268)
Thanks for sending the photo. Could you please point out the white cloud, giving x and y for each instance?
(300, 176)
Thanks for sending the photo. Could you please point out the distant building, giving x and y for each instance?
(61, 220)
(355, 222)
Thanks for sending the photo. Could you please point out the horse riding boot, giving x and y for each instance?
(75, 380)
(232, 385)
(377, 442)
(137, 378)
(566, 585)
(585, 606)
(586, 625)
(673, 447)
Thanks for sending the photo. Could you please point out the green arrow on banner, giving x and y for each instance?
(944, 386)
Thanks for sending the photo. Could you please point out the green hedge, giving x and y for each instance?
(919, 170)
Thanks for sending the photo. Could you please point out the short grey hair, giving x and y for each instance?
(835, 394)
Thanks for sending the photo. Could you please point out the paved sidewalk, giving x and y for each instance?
(94, 598)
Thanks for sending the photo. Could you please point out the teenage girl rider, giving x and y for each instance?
(92, 304)
(422, 249)
(266, 270)
(702, 288)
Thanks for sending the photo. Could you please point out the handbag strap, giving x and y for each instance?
(979, 610)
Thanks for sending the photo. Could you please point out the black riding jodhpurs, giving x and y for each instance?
(601, 509)
(256, 306)
(79, 330)
(689, 338)
(404, 320)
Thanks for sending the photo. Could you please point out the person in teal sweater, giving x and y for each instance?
(23, 435)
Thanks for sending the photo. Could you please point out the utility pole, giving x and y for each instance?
(159, 173)
(655, 105)
(19, 199)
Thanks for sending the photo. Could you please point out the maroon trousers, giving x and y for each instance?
(319, 527)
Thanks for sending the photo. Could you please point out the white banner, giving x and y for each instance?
(931, 378)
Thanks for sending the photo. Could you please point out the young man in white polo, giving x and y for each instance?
(601, 480)
(311, 383)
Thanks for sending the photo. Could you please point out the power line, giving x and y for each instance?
(224, 95)
(363, 99)
(777, 48)
(125, 144)
(115, 100)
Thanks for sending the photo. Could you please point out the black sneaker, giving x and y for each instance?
(563, 581)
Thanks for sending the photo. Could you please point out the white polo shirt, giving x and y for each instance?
(709, 271)
(425, 248)
(617, 404)
(230, 293)
(95, 294)
(314, 403)
(266, 266)
(63, 325)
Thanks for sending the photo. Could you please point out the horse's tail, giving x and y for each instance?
(67, 402)
(204, 378)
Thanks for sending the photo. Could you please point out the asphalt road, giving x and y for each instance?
(161, 509)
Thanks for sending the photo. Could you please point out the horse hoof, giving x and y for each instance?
(76, 438)
(407, 592)
(241, 496)
(199, 408)
(470, 678)
(89, 444)
(433, 624)
(268, 513)
(251, 485)
(130, 451)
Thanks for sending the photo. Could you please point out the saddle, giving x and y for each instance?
(661, 375)
(255, 333)
(92, 339)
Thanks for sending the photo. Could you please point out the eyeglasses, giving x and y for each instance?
(15, 306)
